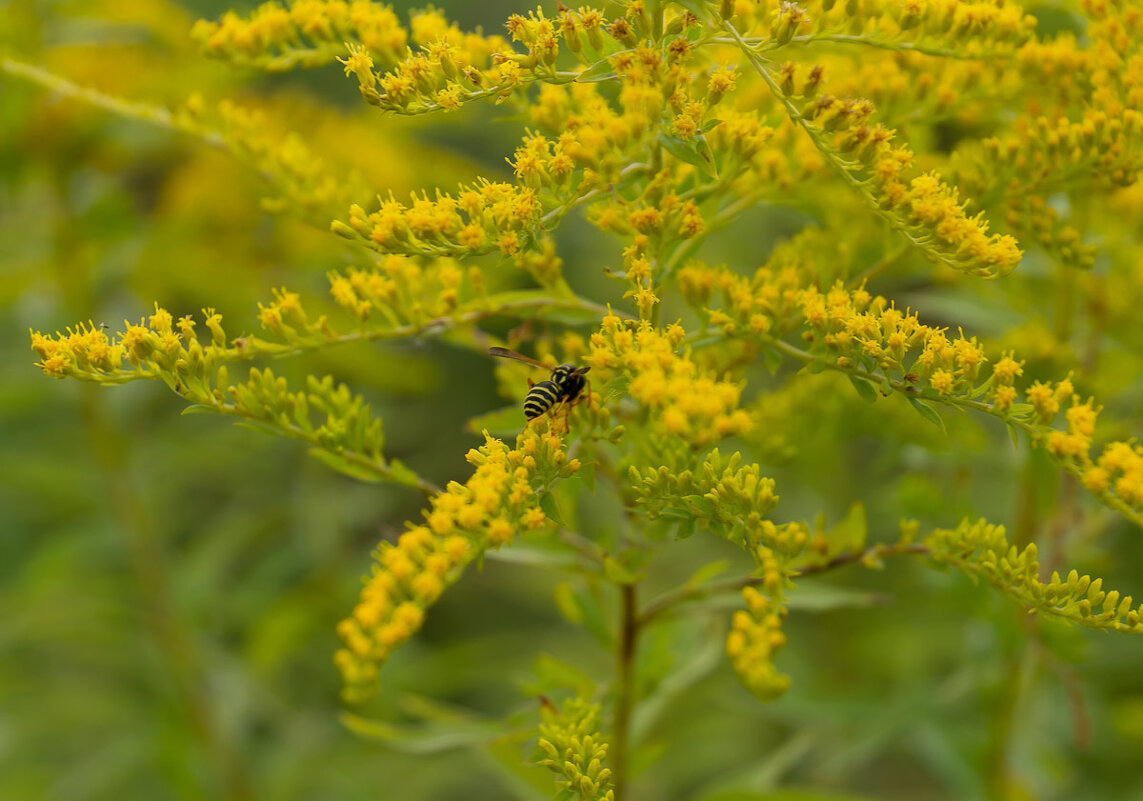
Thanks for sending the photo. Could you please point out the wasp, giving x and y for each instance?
(565, 385)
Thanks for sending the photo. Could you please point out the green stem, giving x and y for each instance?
(153, 580)
(144, 112)
(668, 601)
(999, 781)
(878, 267)
(558, 213)
(624, 689)
(718, 221)
(767, 45)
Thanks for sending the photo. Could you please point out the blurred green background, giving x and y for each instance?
(169, 585)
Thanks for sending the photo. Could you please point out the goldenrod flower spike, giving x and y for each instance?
(684, 403)
(306, 33)
(301, 180)
(879, 345)
(925, 209)
(487, 511)
(981, 549)
(575, 749)
(947, 28)
(483, 218)
(754, 639)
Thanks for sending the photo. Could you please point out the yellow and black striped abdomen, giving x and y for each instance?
(541, 398)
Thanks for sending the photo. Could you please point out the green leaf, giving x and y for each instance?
(674, 514)
(423, 739)
(660, 529)
(584, 605)
(260, 427)
(551, 508)
(687, 528)
(863, 387)
(703, 505)
(586, 474)
(928, 412)
(555, 674)
(568, 604)
(521, 780)
(772, 358)
(599, 71)
(563, 309)
(342, 465)
(851, 533)
(707, 572)
(200, 408)
(616, 573)
(401, 474)
(818, 596)
(1014, 434)
(702, 653)
(697, 7)
(694, 151)
(535, 556)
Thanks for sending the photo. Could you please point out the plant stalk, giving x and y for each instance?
(624, 689)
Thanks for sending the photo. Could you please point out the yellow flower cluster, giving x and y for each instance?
(1046, 154)
(402, 291)
(907, 86)
(574, 748)
(85, 349)
(855, 330)
(982, 550)
(1115, 24)
(303, 179)
(874, 342)
(338, 425)
(452, 68)
(161, 347)
(588, 131)
(286, 317)
(482, 218)
(1060, 67)
(500, 499)
(1042, 222)
(722, 495)
(307, 33)
(592, 155)
(1084, 123)
(763, 159)
(754, 639)
(603, 142)
(665, 217)
(1119, 468)
(924, 208)
(683, 402)
(972, 28)
(758, 304)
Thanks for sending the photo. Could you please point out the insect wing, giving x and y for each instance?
(520, 357)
